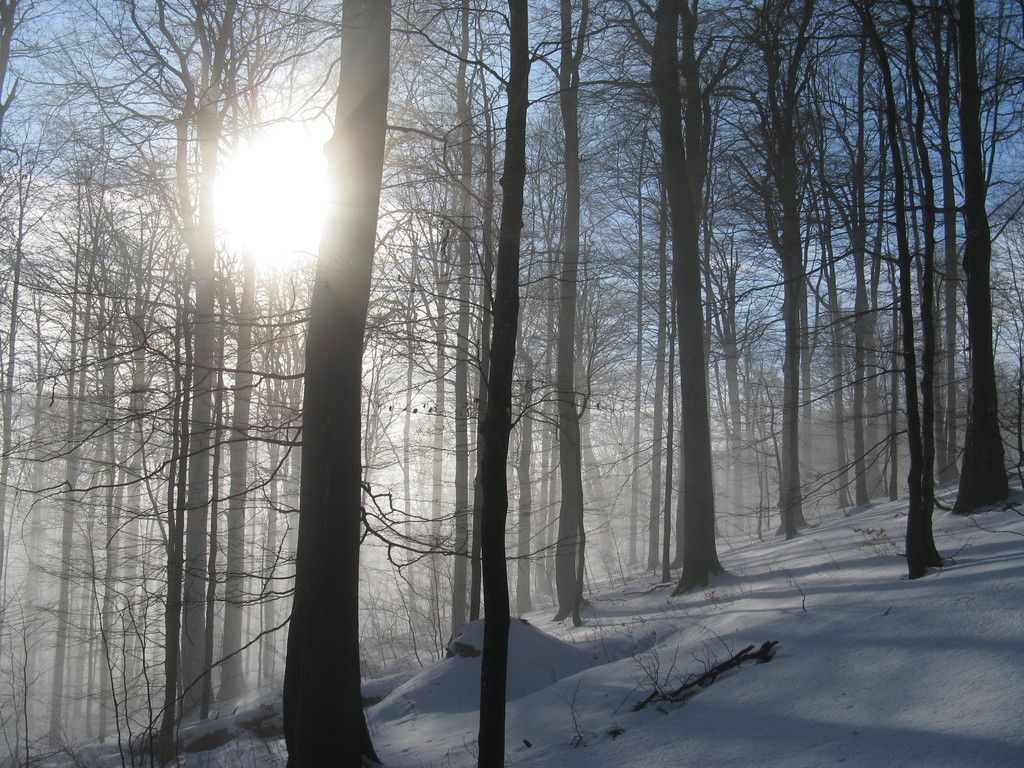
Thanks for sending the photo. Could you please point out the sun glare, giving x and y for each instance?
(271, 194)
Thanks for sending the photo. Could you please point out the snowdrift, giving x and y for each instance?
(536, 660)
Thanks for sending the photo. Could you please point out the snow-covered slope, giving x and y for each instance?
(871, 669)
(536, 661)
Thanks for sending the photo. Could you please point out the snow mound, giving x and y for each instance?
(536, 660)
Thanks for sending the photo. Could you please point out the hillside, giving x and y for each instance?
(871, 669)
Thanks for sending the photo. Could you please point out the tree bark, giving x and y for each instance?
(79, 344)
(232, 681)
(916, 557)
(463, 195)
(920, 539)
(700, 558)
(634, 492)
(659, 389)
(858, 246)
(567, 548)
(523, 583)
(497, 421)
(323, 716)
(983, 476)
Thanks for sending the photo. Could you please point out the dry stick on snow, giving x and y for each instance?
(763, 654)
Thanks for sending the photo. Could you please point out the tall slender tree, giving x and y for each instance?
(700, 558)
(568, 549)
(323, 715)
(497, 421)
(983, 476)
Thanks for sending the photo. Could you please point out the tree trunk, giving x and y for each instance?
(700, 558)
(838, 344)
(323, 715)
(268, 595)
(523, 602)
(460, 565)
(983, 477)
(634, 491)
(666, 559)
(916, 559)
(111, 536)
(920, 539)
(904, 301)
(211, 561)
(858, 247)
(79, 344)
(176, 486)
(567, 548)
(497, 421)
(203, 253)
(659, 389)
(12, 336)
(232, 681)
(944, 76)
(463, 194)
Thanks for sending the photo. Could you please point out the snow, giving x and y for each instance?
(536, 661)
(871, 669)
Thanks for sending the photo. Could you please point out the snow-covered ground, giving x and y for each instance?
(871, 669)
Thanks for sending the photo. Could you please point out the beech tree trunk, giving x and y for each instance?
(232, 681)
(918, 525)
(983, 475)
(497, 421)
(658, 441)
(323, 715)
(570, 513)
(858, 246)
(700, 558)
(947, 429)
(921, 540)
(79, 344)
(463, 195)
(523, 602)
(203, 252)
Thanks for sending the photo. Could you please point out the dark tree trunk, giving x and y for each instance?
(916, 557)
(523, 603)
(700, 558)
(983, 476)
(463, 194)
(697, 498)
(784, 64)
(944, 76)
(634, 496)
(323, 715)
(666, 559)
(567, 548)
(176, 485)
(497, 421)
(659, 388)
(232, 681)
(203, 251)
(921, 538)
(858, 245)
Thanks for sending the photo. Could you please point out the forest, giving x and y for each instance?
(337, 336)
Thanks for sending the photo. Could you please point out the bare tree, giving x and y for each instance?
(323, 715)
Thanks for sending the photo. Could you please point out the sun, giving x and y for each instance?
(271, 194)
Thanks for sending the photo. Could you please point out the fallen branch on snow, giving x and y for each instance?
(763, 654)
